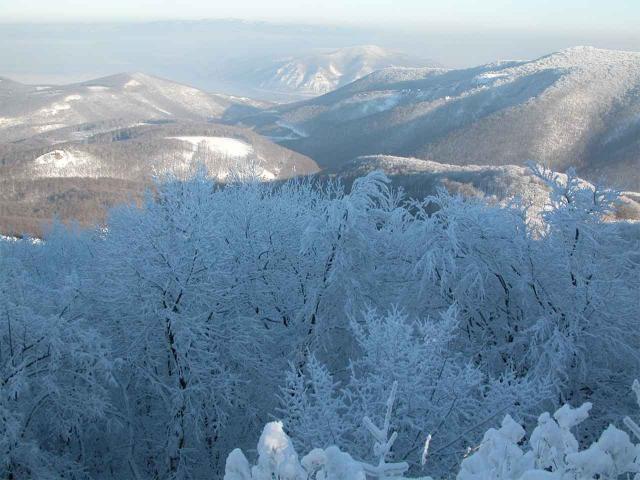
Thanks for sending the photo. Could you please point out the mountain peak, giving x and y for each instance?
(372, 50)
(123, 79)
(322, 72)
(588, 54)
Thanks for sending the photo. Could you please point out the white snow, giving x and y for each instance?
(132, 84)
(368, 103)
(66, 163)
(54, 109)
(239, 159)
(295, 129)
(33, 241)
(237, 466)
(97, 88)
(242, 100)
(161, 110)
(320, 73)
(58, 159)
(552, 453)
(230, 147)
(8, 122)
(48, 127)
(489, 77)
(146, 101)
(267, 175)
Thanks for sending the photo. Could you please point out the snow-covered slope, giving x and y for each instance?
(578, 107)
(323, 72)
(137, 152)
(80, 179)
(70, 162)
(229, 147)
(495, 184)
(26, 110)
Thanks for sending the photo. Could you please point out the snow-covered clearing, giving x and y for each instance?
(97, 88)
(64, 163)
(230, 147)
(54, 109)
(48, 127)
(9, 122)
(132, 84)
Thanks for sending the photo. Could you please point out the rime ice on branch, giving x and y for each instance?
(383, 444)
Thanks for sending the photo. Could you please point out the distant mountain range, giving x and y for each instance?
(75, 150)
(319, 73)
(578, 107)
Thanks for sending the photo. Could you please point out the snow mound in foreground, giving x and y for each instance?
(551, 453)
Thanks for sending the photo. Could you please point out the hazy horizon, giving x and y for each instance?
(196, 52)
(492, 13)
(61, 41)
(211, 45)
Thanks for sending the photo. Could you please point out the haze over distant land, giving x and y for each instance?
(494, 13)
(202, 53)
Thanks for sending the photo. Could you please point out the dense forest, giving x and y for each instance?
(154, 345)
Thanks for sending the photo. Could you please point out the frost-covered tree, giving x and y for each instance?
(55, 368)
(152, 345)
(163, 288)
(551, 452)
(441, 393)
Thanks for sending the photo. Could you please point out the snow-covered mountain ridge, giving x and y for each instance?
(323, 72)
(27, 110)
(578, 107)
(72, 151)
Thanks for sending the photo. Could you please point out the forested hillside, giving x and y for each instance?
(577, 108)
(154, 345)
(73, 151)
(28, 110)
(79, 180)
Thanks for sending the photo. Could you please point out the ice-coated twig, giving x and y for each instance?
(630, 424)
(383, 444)
(425, 450)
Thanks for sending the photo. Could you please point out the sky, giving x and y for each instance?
(601, 15)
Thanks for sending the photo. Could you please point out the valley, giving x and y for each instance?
(94, 144)
(575, 108)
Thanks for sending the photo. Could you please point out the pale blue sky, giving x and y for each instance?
(600, 15)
